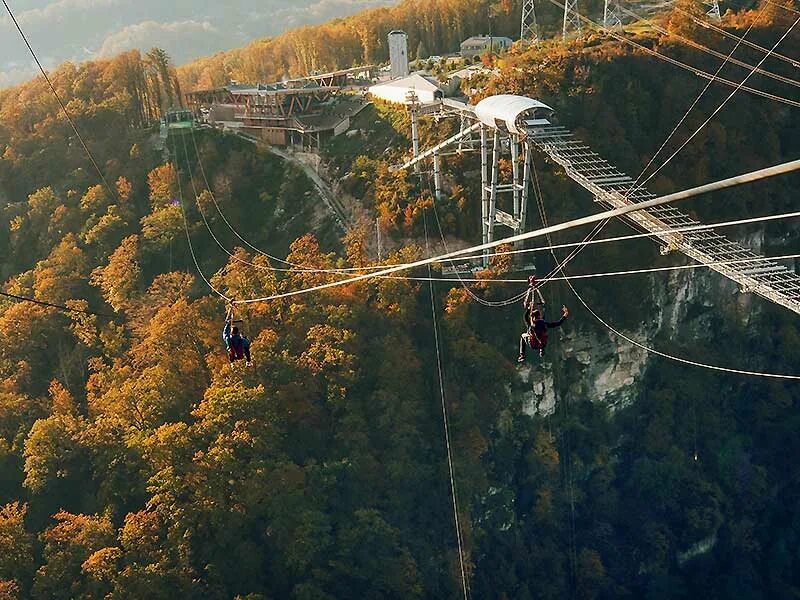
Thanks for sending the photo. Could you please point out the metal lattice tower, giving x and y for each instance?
(529, 30)
(610, 187)
(712, 9)
(572, 19)
(612, 15)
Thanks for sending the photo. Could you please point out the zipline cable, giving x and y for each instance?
(665, 354)
(221, 214)
(294, 266)
(635, 186)
(687, 228)
(729, 58)
(548, 278)
(724, 32)
(58, 99)
(222, 246)
(493, 303)
(605, 274)
(695, 70)
(719, 108)
(446, 422)
(671, 356)
(784, 7)
(686, 114)
(585, 242)
(559, 266)
(189, 237)
(581, 245)
(57, 306)
(588, 220)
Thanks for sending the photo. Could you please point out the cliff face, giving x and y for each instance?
(592, 362)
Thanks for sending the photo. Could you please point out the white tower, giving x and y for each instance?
(398, 54)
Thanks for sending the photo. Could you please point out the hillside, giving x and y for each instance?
(136, 463)
(433, 26)
(100, 29)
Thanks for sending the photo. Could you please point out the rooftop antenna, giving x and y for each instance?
(572, 20)
(529, 30)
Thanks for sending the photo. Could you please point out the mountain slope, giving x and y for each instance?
(135, 462)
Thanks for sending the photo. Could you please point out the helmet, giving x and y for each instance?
(532, 281)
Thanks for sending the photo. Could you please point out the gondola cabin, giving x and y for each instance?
(176, 121)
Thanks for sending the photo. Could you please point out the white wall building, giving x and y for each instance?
(480, 44)
(398, 54)
(397, 90)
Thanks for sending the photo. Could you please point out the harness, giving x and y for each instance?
(236, 350)
(538, 339)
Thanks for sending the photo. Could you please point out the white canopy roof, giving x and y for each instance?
(412, 82)
(505, 109)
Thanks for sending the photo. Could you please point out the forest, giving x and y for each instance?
(433, 26)
(136, 463)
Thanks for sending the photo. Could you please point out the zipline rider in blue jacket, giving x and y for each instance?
(237, 345)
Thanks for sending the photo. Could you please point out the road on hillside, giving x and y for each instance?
(325, 192)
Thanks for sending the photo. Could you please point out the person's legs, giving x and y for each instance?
(523, 341)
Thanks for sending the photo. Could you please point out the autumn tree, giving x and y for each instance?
(60, 276)
(16, 560)
(120, 279)
(76, 553)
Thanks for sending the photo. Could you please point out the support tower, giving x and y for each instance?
(529, 30)
(572, 19)
(712, 10)
(612, 15)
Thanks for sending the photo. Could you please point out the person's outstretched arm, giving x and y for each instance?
(564, 315)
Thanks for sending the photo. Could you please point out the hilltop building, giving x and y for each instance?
(398, 54)
(299, 112)
(397, 90)
(478, 45)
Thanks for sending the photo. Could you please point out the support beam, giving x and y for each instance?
(712, 10)
(493, 190)
(515, 173)
(415, 139)
(437, 177)
(612, 15)
(437, 148)
(484, 191)
(413, 108)
(526, 178)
